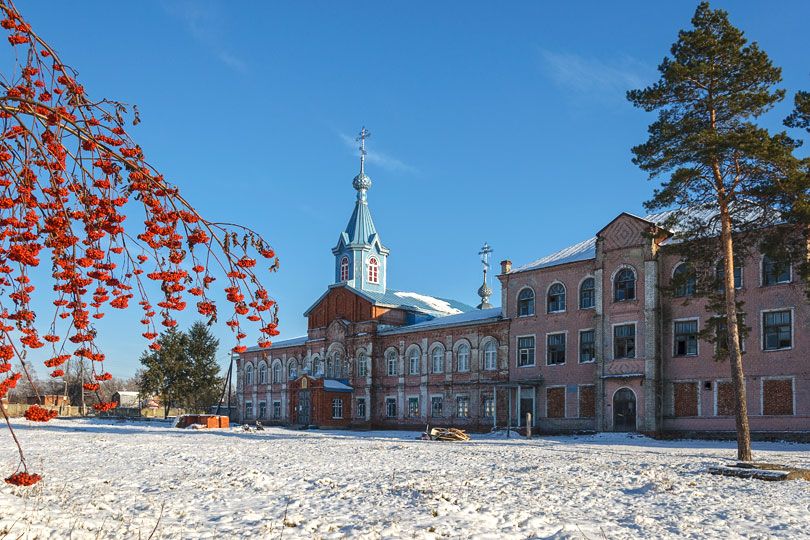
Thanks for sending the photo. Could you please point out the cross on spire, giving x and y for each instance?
(485, 251)
(364, 134)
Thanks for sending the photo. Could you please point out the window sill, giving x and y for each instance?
(528, 365)
(778, 350)
(556, 364)
(586, 308)
(588, 361)
(555, 312)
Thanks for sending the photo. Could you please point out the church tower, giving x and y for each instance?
(360, 257)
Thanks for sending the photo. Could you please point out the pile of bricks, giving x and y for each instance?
(205, 421)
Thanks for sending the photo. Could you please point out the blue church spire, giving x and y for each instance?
(360, 257)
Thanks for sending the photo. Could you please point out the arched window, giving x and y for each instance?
(308, 365)
(684, 280)
(277, 373)
(721, 276)
(362, 365)
(391, 360)
(373, 270)
(437, 360)
(526, 302)
(490, 356)
(587, 294)
(624, 286)
(463, 357)
(413, 362)
(249, 374)
(318, 365)
(293, 369)
(774, 271)
(262, 373)
(344, 269)
(556, 298)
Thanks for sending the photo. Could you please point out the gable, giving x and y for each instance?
(625, 231)
(339, 303)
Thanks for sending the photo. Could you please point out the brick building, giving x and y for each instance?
(584, 340)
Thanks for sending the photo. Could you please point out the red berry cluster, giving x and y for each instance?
(23, 479)
(35, 413)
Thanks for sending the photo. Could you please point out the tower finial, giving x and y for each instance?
(484, 291)
(361, 181)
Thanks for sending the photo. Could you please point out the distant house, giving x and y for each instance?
(126, 399)
(49, 400)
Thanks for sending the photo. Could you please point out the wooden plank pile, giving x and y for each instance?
(448, 434)
(761, 471)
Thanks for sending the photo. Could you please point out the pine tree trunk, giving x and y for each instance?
(733, 336)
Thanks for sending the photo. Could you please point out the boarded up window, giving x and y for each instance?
(686, 399)
(587, 401)
(777, 397)
(725, 399)
(555, 402)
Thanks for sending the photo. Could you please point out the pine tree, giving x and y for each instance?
(167, 371)
(205, 382)
(713, 157)
(800, 117)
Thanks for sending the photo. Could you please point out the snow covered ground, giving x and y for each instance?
(105, 479)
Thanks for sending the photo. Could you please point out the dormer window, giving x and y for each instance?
(373, 270)
(344, 269)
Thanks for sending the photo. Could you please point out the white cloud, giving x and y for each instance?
(594, 77)
(376, 157)
(203, 20)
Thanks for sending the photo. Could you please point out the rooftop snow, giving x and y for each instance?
(436, 304)
(578, 252)
(469, 317)
(293, 342)
(336, 386)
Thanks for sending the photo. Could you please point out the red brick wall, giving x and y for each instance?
(686, 398)
(777, 396)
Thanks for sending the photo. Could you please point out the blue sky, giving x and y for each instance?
(502, 123)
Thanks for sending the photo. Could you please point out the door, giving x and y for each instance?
(624, 410)
(526, 406)
(303, 407)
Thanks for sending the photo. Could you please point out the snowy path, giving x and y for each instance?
(110, 480)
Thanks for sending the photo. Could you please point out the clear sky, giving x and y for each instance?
(500, 122)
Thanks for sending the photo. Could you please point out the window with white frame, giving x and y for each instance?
(362, 365)
(319, 367)
(344, 269)
(587, 346)
(337, 408)
(413, 362)
(463, 357)
(526, 302)
(373, 270)
(490, 356)
(293, 369)
(556, 298)
(525, 351)
(361, 407)
(775, 271)
(624, 341)
(436, 406)
(391, 361)
(413, 407)
(488, 407)
(555, 349)
(624, 285)
(248, 409)
(685, 338)
(391, 407)
(262, 409)
(437, 360)
(277, 373)
(721, 338)
(463, 407)
(721, 276)
(276, 410)
(587, 293)
(249, 374)
(777, 330)
(262, 374)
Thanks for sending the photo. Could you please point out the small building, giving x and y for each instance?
(125, 398)
(320, 402)
(49, 400)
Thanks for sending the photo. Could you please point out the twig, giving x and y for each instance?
(163, 505)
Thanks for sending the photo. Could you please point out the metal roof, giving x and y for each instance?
(476, 316)
(409, 301)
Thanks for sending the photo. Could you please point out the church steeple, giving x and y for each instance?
(360, 257)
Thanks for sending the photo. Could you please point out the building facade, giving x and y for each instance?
(584, 340)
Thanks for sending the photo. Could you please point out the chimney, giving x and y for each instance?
(506, 266)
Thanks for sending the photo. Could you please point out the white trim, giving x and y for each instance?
(565, 297)
(517, 351)
(613, 283)
(456, 347)
(483, 352)
(565, 345)
(762, 313)
(762, 380)
(385, 404)
(613, 340)
(436, 346)
(441, 397)
(579, 345)
(408, 399)
(517, 302)
(697, 337)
